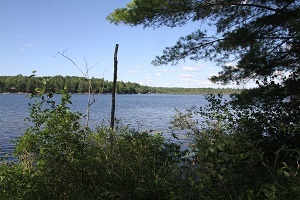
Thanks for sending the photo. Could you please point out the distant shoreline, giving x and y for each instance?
(79, 85)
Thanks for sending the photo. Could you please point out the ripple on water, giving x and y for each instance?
(144, 112)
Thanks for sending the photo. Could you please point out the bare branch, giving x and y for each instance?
(62, 54)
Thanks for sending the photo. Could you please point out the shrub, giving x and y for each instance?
(60, 159)
(230, 164)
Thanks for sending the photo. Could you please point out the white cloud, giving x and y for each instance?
(170, 70)
(133, 72)
(158, 74)
(147, 81)
(162, 70)
(190, 69)
(136, 72)
(21, 49)
(30, 45)
(186, 76)
(192, 82)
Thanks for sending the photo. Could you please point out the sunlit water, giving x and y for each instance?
(143, 112)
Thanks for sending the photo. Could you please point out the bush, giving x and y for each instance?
(227, 159)
(231, 164)
(60, 159)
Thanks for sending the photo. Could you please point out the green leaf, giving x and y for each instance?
(221, 146)
(214, 173)
(220, 177)
(286, 174)
(212, 149)
(200, 186)
(279, 171)
(228, 141)
(223, 170)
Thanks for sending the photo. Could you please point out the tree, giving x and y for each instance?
(261, 37)
(252, 40)
(2, 84)
(20, 83)
(83, 85)
(72, 84)
(32, 83)
(58, 82)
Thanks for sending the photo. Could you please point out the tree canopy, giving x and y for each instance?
(244, 148)
(74, 84)
(250, 39)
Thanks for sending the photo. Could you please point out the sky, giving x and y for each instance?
(34, 31)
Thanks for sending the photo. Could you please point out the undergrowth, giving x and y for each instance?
(58, 158)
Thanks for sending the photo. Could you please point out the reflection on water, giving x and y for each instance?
(143, 112)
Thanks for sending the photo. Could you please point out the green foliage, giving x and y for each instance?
(270, 117)
(247, 148)
(230, 162)
(50, 152)
(60, 159)
(256, 40)
(251, 40)
(261, 37)
(136, 165)
(56, 84)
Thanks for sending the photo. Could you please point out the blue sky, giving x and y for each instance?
(33, 31)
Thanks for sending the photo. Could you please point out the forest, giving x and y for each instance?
(74, 84)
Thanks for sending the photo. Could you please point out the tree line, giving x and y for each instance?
(75, 84)
(243, 148)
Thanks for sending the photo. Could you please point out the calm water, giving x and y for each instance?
(143, 112)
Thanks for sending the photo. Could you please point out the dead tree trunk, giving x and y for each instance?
(113, 99)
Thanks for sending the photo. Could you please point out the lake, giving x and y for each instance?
(139, 111)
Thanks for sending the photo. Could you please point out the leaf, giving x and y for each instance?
(220, 177)
(286, 174)
(212, 149)
(224, 156)
(228, 141)
(214, 173)
(200, 186)
(221, 146)
(279, 171)
(223, 170)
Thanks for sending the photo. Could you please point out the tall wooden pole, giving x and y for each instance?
(113, 99)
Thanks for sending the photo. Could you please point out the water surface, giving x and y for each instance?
(143, 112)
